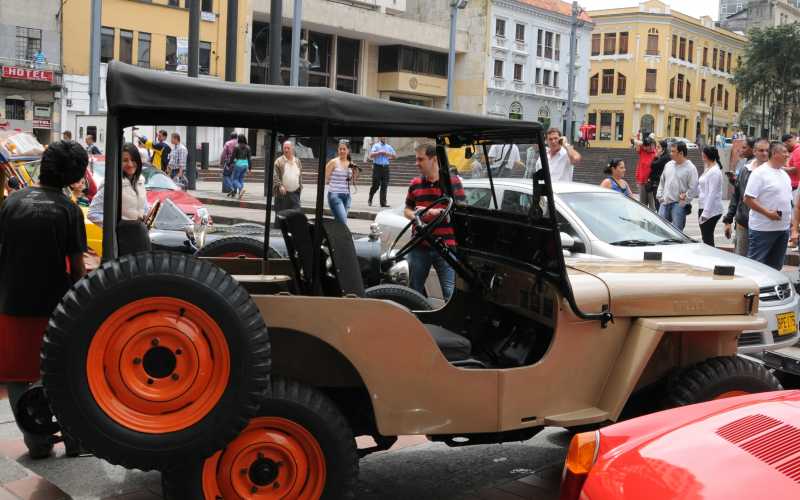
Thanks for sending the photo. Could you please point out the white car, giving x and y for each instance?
(689, 144)
(602, 223)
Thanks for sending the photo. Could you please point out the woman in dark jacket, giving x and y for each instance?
(657, 168)
(242, 163)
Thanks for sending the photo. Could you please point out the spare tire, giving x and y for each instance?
(236, 246)
(154, 359)
(403, 295)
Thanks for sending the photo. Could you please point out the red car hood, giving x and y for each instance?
(187, 203)
(746, 447)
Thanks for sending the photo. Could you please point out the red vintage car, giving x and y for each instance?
(745, 447)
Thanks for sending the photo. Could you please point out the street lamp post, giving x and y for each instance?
(451, 58)
(573, 34)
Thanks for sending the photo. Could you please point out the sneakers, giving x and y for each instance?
(241, 193)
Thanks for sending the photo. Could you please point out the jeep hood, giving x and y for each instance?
(640, 288)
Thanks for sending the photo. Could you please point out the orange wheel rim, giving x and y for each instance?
(272, 458)
(158, 365)
(247, 255)
(731, 394)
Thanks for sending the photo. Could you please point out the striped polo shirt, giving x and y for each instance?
(422, 193)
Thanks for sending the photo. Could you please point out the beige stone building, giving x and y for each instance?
(658, 70)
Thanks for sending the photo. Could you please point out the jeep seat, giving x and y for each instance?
(455, 347)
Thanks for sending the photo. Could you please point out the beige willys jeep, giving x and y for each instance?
(249, 378)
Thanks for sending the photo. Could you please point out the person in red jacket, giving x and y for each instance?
(647, 153)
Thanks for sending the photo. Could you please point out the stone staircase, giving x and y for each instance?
(403, 169)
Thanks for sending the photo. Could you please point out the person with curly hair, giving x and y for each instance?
(42, 241)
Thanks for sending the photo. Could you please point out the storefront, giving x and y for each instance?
(28, 99)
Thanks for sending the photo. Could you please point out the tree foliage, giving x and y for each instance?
(769, 76)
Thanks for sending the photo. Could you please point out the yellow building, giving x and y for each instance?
(150, 34)
(657, 70)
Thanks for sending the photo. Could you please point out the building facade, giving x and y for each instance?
(657, 70)
(30, 60)
(150, 34)
(528, 63)
(761, 14)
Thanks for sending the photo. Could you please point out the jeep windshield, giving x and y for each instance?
(618, 220)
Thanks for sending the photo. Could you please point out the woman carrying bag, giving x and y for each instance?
(340, 173)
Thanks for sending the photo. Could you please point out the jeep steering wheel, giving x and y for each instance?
(422, 231)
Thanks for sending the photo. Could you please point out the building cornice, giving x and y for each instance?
(671, 20)
(549, 15)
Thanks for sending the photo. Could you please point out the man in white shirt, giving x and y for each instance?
(561, 157)
(769, 196)
(503, 158)
(678, 185)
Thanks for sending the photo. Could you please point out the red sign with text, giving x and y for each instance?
(37, 75)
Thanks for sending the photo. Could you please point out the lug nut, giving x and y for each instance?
(178, 352)
(154, 342)
(137, 361)
(149, 381)
(175, 376)
(253, 490)
(243, 471)
(276, 485)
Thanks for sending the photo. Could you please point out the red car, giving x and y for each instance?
(158, 185)
(745, 447)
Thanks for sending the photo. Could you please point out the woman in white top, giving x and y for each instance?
(134, 196)
(340, 173)
(710, 199)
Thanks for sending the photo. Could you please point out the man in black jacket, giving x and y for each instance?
(656, 169)
(737, 210)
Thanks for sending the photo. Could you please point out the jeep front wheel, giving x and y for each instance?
(718, 378)
(300, 446)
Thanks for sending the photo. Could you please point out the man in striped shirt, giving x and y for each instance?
(422, 192)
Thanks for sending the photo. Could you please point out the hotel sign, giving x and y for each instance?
(36, 75)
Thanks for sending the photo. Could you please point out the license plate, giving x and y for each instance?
(787, 324)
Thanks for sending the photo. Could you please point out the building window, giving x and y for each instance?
(605, 126)
(610, 43)
(594, 84)
(592, 119)
(126, 46)
(548, 44)
(595, 43)
(672, 88)
(555, 78)
(539, 42)
(173, 3)
(171, 58)
(106, 44)
(703, 90)
(650, 81)
(520, 33)
(518, 72)
(608, 81)
(29, 42)
(205, 58)
(705, 56)
(207, 6)
(347, 64)
(143, 54)
(623, 42)
(712, 95)
(729, 62)
(682, 49)
(620, 126)
(558, 47)
(500, 27)
(719, 93)
(621, 80)
(391, 58)
(15, 109)
(726, 99)
(736, 102)
(721, 64)
(679, 91)
(691, 50)
(688, 91)
(538, 76)
(652, 42)
(498, 68)
(546, 78)
(714, 59)
(674, 46)
(320, 56)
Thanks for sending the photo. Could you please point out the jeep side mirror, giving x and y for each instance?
(567, 241)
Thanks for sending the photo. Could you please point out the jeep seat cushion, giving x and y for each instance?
(455, 347)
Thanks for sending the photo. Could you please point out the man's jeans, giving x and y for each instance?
(675, 213)
(768, 247)
(420, 260)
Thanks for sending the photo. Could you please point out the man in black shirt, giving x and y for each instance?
(42, 240)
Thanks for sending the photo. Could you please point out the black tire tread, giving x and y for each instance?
(231, 244)
(174, 482)
(116, 273)
(692, 385)
(403, 295)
